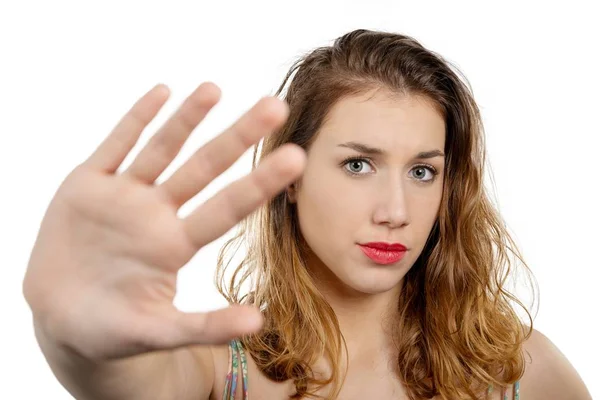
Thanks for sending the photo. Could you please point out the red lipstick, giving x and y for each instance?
(384, 253)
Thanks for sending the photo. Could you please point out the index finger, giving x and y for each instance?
(230, 205)
(116, 146)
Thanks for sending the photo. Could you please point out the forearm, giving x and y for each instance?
(141, 377)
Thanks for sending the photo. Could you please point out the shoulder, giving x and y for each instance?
(219, 357)
(548, 373)
(213, 362)
(259, 385)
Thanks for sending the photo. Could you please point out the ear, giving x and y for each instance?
(291, 193)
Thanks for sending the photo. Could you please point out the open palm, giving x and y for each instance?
(102, 274)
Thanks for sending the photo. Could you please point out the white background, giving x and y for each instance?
(69, 70)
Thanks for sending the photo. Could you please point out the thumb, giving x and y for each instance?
(208, 328)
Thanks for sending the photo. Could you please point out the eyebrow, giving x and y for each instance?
(365, 149)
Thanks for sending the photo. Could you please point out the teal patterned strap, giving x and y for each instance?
(236, 354)
(516, 390)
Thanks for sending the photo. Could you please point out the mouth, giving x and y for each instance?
(384, 253)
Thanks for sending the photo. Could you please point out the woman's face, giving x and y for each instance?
(388, 195)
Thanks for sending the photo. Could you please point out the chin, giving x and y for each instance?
(357, 278)
(373, 282)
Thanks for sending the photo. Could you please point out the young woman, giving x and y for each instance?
(376, 261)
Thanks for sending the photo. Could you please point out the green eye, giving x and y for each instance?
(356, 165)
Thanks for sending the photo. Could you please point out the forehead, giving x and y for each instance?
(385, 120)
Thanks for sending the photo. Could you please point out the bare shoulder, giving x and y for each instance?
(260, 387)
(548, 373)
(196, 368)
(221, 366)
(214, 364)
(220, 357)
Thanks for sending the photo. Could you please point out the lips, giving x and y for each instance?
(385, 246)
(383, 253)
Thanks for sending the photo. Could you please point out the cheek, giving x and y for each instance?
(333, 201)
(424, 212)
(328, 212)
(319, 206)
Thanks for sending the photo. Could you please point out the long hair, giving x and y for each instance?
(458, 331)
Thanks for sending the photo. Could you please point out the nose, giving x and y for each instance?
(391, 207)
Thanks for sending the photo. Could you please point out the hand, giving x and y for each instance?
(102, 274)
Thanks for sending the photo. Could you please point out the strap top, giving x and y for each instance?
(237, 357)
(516, 395)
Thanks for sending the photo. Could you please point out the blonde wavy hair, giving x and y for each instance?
(459, 331)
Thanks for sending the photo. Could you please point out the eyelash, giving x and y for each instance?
(431, 168)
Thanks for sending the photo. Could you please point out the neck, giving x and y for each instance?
(365, 322)
(365, 319)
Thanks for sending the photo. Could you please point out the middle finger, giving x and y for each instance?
(221, 152)
(164, 146)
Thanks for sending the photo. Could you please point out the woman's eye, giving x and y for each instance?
(420, 173)
(357, 166)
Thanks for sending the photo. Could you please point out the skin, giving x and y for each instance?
(394, 198)
(101, 278)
